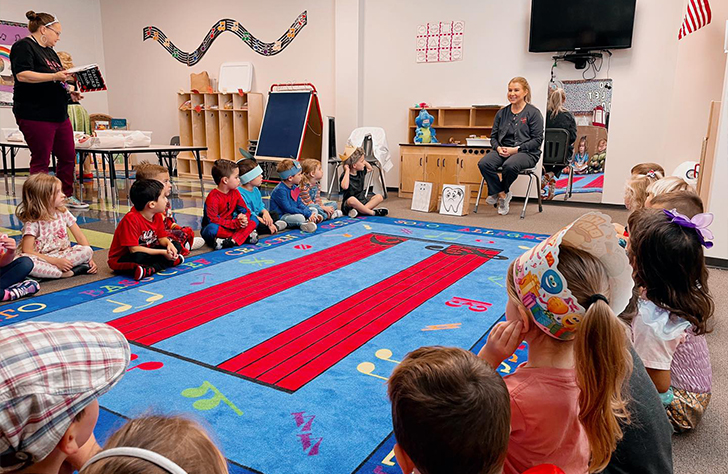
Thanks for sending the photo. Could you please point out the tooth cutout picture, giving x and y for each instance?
(453, 200)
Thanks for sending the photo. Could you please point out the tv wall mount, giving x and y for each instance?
(579, 58)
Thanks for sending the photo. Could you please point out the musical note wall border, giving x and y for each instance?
(233, 26)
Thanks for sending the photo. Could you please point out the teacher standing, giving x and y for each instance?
(40, 101)
(516, 140)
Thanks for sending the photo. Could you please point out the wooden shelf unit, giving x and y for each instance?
(456, 122)
(222, 130)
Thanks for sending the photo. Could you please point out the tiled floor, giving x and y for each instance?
(100, 220)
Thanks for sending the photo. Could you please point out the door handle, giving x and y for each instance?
(438, 162)
(420, 161)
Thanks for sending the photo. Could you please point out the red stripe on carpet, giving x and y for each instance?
(564, 182)
(597, 183)
(167, 320)
(268, 354)
(298, 355)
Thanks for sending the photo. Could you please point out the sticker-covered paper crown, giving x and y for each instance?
(543, 289)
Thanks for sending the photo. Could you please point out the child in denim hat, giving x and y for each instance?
(50, 377)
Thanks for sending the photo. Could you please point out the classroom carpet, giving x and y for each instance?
(582, 183)
(284, 348)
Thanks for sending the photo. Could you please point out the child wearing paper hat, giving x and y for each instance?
(566, 401)
(352, 184)
(50, 377)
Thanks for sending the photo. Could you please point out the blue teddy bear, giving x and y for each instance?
(425, 133)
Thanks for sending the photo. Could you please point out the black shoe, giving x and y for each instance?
(81, 269)
(381, 212)
(143, 271)
(228, 243)
(252, 238)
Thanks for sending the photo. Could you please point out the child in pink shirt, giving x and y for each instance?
(566, 401)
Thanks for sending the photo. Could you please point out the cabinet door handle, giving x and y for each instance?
(438, 162)
(420, 161)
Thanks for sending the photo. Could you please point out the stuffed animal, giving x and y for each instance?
(425, 133)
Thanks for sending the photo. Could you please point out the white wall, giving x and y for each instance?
(143, 78)
(662, 88)
(718, 188)
(81, 37)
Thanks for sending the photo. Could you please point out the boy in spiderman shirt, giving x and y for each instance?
(226, 222)
(140, 244)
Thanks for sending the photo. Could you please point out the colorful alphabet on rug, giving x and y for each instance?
(233, 26)
(440, 42)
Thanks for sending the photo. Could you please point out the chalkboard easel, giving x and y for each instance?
(292, 125)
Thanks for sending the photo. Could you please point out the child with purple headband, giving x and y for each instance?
(674, 310)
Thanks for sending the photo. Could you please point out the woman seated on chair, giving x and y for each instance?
(516, 140)
(557, 117)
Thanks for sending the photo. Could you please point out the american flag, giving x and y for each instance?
(698, 15)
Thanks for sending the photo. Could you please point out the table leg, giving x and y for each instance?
(5, 166)
(80, 156)
(199, 172)
(112, 180)
(126, 173)
(13, 152)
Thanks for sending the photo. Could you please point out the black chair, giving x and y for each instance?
(531, 173)
(556, 153)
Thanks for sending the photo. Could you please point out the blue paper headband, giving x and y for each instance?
(251, 175)
(291, 172)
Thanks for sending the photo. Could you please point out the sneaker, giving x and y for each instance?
(143, 271)
(337, 213)
(197, 243)
(81, 269)
(308, 227)
(281, 225)
(229, 243)
(381, 212)
(218, 244)
(180, 260)
(74, 203)
(492, 200)
(252, 238)
(23, 288)
(353, 213)
(504, 205)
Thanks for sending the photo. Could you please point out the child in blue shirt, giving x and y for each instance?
(251, 177)
(286, 199)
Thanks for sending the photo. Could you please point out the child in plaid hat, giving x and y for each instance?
(50, 377)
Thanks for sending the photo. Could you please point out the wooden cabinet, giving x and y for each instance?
(440, 165)
(223, 123)
(457, 123)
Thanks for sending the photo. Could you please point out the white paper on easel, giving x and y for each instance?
(453, 199)
(421, 196)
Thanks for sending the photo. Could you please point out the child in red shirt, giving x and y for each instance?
(226, 222)
(184, 235)
(140, 243)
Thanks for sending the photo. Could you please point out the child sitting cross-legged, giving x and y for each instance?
(140, 245)
(251, 177)
(185, 236)
(45, 235)
(311, 174)
(227, 222)
(286, 199)
(567, 402)
(355, 200)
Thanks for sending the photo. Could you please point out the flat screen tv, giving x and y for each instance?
(581, 25)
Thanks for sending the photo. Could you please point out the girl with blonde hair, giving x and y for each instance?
(567, 404)
(45, 236)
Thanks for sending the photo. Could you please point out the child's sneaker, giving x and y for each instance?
(197, 243)
(308, 227)
(218, 244)
(381, 212)
(142, 271)
(252, 238)
(281, 225)
(23, 288)
(353, 213)
(337, 213)
(81, 269)
(228, 243)
(179, 260)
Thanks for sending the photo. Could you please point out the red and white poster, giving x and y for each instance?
(440, 42)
